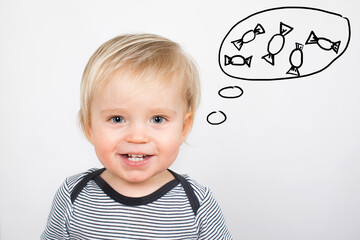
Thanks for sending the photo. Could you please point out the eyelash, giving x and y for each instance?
(161, 117)
(119, 119)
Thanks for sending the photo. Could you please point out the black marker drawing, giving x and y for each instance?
(237, 94)
(238, 60)
(323, 43)
(300, 21)
(297, 25)
(296, 59)
(248, 36)
(218, 122)
(276, 43)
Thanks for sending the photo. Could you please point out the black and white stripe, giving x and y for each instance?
(98, 212)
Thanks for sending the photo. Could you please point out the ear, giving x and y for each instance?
(188, 120)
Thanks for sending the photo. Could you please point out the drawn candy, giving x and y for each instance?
(311, 55)
(296, 59)
(237, 60)
(323, 43)
(248, 36)
(276, 43)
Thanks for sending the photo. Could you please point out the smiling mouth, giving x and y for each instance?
(136, 157)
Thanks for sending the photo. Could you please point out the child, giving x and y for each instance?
(139, 94)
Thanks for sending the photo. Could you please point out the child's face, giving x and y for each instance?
(137, 133)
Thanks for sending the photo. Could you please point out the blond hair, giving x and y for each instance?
(147, 56)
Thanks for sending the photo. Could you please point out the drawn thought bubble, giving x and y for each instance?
(283, 43)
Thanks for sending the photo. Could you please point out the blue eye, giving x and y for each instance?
(117, 119)
(158, 119)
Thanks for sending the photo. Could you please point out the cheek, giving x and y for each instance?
(104, 142)
(102, 149)
(171, 142)
(169, 151)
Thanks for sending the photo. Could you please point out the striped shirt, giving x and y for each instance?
(97, 211)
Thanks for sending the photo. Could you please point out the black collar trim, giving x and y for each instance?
(135, 201)
(95, 175)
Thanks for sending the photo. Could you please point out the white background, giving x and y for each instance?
(285, 165)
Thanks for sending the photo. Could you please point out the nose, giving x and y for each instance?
(137, 134)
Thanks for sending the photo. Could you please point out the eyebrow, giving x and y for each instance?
(155, 110)
(112, 110)
(163, 110)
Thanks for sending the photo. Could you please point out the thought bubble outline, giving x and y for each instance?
(216, 123)
(290, 77)
(231, 87)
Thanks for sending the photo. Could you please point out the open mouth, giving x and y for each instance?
(136, 157)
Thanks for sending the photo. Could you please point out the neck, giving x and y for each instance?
(137, 189)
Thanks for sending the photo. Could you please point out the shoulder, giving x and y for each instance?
(62, 207)
(64, 194)
(72, 181)
(209, 215)
(207, 201)
(202, 192)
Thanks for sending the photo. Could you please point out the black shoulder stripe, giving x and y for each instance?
(194, 201)
(78, 188)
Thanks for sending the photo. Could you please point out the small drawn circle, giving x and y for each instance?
(230, 87)
(216, 123)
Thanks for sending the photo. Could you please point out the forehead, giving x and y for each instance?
(125, 83)
(122, 96)
(133, 80)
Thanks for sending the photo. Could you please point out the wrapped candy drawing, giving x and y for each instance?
(323, 43)
(248, 36)
(276, 43)
(238, 60)
(296, 59)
